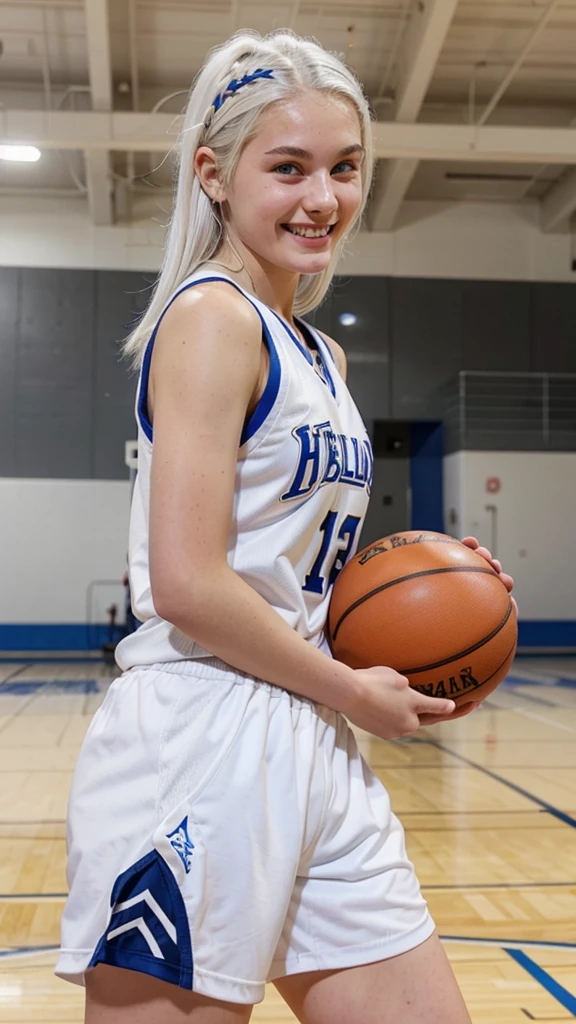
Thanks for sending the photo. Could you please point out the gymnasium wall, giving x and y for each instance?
(467, 287)
(531, 530)
(490, 241)
(61, 540)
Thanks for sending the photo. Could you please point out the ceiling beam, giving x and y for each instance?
(559, 204)
(98, 164)
(422, 47)
(157, 133)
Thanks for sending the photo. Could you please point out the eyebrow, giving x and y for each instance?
(303, 154)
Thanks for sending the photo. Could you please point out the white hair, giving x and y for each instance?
(196, 231)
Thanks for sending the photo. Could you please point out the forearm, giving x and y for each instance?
(232, 621)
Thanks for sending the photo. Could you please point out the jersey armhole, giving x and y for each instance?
(269, 395)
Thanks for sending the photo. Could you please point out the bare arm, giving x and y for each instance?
(205, 370)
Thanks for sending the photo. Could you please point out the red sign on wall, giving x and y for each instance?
(493, 484)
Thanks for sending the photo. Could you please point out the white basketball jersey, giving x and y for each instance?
(303, 479)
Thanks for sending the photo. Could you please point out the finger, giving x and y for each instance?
(507, 581)
(496, 565)
(515, 605)
(461, 711)
(484, 553)
(470, 542)
(433, 705)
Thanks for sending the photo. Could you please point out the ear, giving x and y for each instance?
(207, 171)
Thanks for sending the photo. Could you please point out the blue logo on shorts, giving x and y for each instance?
(148, 929)
(181, 842)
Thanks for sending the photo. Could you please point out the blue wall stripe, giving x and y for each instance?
(557, 991)
(561, 815)
(426, 476)
(547, 633)
(55, 636)
(81, 636)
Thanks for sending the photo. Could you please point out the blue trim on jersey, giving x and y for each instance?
(148, 929)
(305, 351)
(144, 379)
(318, 344)
(294, 337)
(268, 398)
(270, 394)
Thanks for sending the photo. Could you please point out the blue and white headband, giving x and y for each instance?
(232, 88)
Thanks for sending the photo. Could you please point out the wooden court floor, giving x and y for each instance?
(488, 803)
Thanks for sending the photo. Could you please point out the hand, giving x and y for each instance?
(474, 545)
(385, 704)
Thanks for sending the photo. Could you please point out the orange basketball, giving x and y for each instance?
(429, 607)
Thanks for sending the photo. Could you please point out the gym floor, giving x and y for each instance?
(488, 803)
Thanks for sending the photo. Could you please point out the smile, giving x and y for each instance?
(310, 232)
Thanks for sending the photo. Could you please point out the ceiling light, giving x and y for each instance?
(28, 154)
(347, 319)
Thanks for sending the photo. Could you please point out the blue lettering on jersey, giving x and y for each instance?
(326, 458)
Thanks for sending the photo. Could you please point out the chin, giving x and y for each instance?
(312, 264)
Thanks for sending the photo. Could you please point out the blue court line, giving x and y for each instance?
(32, 895)
(25, 950)
(554, 811)
(503, 885)
(507, 944)
(557, 991)
(529, 697)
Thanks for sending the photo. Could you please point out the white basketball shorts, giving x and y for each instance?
(223, 832)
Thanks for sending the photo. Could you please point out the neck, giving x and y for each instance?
(269, 283)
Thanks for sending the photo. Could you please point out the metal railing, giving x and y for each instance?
(511, 411)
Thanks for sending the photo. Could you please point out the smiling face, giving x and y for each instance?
(300, 174)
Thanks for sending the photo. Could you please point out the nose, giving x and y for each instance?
(320, 197)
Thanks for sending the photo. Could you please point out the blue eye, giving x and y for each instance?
(281, 168)
(346, 164)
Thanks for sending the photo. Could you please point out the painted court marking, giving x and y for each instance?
(557, 991)
(566, 818)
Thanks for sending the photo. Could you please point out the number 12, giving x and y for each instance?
(315, 580)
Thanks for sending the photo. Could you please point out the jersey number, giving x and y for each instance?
(316, 578)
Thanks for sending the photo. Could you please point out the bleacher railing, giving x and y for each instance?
(489, 410)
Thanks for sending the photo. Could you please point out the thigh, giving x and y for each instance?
(118, 996)
(417, 987)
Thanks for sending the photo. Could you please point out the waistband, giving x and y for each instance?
(214, 669)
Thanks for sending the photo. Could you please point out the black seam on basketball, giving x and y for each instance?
(484, 681)
(459, 654)
(404, 579)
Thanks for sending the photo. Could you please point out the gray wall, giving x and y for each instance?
(66, 398)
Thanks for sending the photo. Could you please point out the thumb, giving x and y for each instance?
(434, 705)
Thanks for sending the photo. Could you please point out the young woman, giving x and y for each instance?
(223, 829)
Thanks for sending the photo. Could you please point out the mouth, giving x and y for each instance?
(309, 231)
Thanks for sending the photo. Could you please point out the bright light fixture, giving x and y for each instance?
(347, 319)
(28, 154)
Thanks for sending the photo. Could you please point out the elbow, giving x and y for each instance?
(184, 600)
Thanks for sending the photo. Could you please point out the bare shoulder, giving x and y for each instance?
(212, 305)
(210, 338)
(338, 353)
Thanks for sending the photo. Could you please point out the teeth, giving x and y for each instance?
(309, 232)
